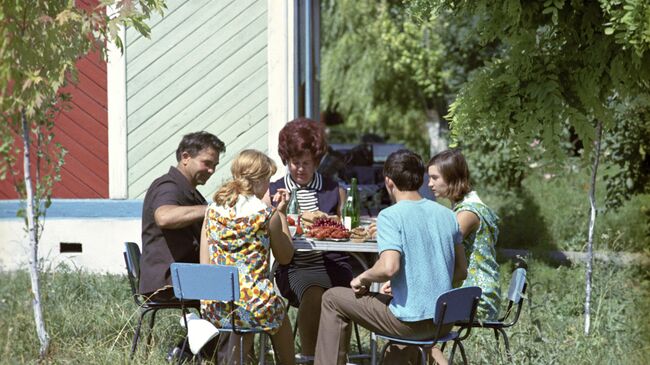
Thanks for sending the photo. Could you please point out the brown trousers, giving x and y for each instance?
(340, 306)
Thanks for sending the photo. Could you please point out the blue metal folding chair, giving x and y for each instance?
(146, 305)
(457, 306)
(516, 295)
(211, 282)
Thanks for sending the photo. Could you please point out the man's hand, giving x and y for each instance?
(359, 286)
(386, 289)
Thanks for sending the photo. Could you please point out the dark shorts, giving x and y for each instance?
(331, 269)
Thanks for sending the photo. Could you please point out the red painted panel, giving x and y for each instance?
(83, 131)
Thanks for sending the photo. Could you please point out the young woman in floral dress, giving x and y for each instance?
(241, 230)
(449, 178)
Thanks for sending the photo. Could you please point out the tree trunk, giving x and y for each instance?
(592, 225)
(436, 142)
(32, 222)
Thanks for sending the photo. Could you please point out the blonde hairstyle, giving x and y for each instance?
(248, 168)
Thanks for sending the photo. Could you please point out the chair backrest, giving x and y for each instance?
(132, 261)
(457, 305)
(208, 282)
(517, 285)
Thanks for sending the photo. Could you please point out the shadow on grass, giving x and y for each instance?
(522, 224)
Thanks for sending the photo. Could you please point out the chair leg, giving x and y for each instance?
(180, 355)
(295, 327)
(462, 352)
(262, 349)
(423, 356)
(152, 321)
(358, 337)
(453, 350)
(506, 342)
(241, 350)
(136, 335)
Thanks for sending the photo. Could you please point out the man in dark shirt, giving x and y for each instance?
(173, 212)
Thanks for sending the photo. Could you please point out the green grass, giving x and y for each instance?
(90, 319)
(552, 213)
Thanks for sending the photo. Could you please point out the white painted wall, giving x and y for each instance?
(280, 60)
(102, 243)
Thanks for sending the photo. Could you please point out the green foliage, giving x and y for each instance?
(628, 23)
(558, 67)
(626, 151)
(367, 53)
(389, 70)
(92, 317)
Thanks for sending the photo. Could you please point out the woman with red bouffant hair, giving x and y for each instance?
(301, 147)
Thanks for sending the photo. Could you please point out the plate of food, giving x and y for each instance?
(328, 229)
(364, 233)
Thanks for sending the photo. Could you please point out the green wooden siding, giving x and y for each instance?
(204, 68)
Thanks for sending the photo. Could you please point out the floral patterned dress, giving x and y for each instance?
(239, 236)
(482, 267)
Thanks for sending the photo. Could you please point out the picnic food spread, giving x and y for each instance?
(327, 228)
(364, 233)
(308, 218)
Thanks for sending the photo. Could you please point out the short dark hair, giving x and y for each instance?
(454, 171)
(406, 169)
(193, 143)
(300, 136)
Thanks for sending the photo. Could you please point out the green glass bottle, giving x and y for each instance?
(348, 210)
(293, 211)
(351, 209)
(357, 201)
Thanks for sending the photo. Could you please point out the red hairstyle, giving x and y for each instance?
(300, 136)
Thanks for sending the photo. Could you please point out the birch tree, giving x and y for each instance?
(40, 43)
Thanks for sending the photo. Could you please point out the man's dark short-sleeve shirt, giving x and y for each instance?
(162, 247)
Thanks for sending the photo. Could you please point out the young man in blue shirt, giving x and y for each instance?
(420, 255)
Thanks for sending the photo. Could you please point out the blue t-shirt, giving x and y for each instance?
(424, 233)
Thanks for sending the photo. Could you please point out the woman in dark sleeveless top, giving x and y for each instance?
(301, 147)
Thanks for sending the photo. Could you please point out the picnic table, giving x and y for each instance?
(355, 249)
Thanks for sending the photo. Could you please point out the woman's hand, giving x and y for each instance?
(281, 199)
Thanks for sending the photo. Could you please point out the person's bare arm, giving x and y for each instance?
(468, 222)
(281, 242)
(383, 270)
(460, 265)
(204, 253)
(177, 216)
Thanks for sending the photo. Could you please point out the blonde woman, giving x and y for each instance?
(241, 230)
